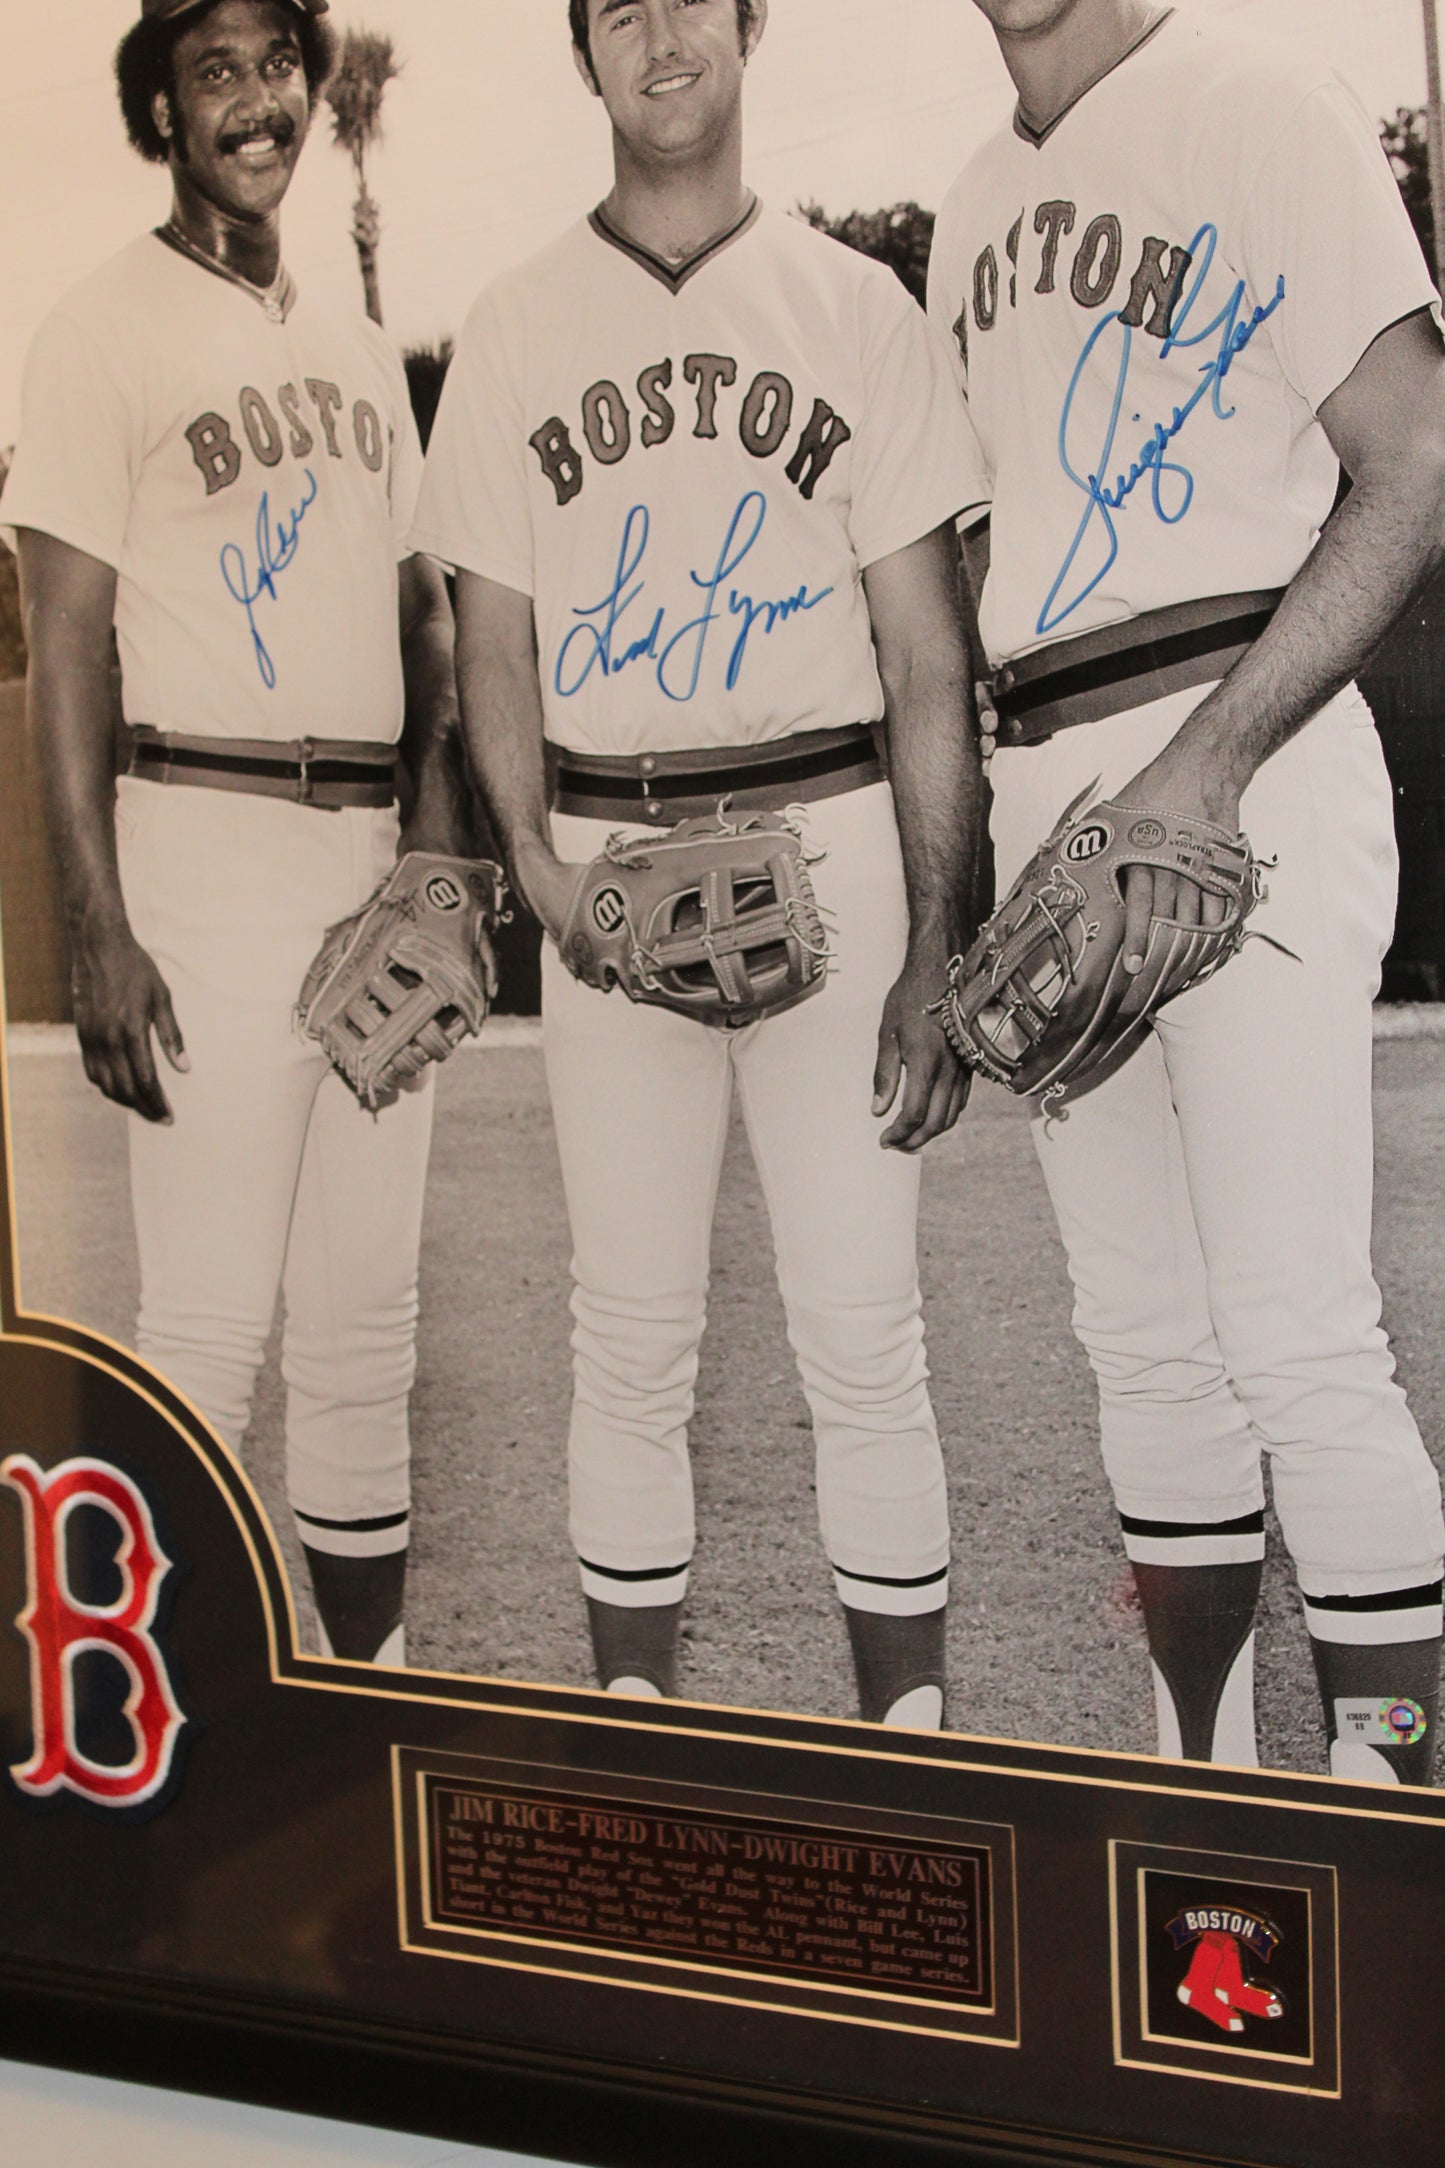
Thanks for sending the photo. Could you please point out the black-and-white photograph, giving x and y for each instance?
(721, 825)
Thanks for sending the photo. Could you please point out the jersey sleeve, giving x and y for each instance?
(1323, 213)
(949, 324)
(474, 513)
(406, 461)
(77, 454)
(917, 463)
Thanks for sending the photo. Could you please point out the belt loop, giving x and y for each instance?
(305, 753)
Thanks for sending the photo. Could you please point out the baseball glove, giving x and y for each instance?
(402, 981)
(715, 918)
(1042, 1003)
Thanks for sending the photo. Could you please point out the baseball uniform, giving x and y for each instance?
(1150, 301)
(247, 464)
(688, 469)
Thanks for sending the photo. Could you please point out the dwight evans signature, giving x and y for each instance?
(1171, 484)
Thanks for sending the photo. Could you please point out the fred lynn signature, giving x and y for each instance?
(276, 546)
(599, 642)
(1171, 484)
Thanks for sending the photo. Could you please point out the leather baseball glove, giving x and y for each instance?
(715, 918)
(1042, 1003)
(406, 978)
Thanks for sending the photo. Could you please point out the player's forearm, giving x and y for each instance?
(938, 795)
(71, 718)
(1374, 554)
(501, 710)
(67, 602)
(932, 736)
(1386, 422)
(442, 816)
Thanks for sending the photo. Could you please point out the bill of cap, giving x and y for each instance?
(162, 10)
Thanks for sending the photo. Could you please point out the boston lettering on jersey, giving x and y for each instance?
(1089, 270)
(764, 420)
(295, 420)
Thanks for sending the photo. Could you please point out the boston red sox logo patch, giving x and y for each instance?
(609, 909)
(1227, 1962)
(443, 894)
(1087, 842)
(1217, 1986)
(66, 1631)
(1226, 1967)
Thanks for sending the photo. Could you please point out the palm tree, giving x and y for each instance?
(368, 63)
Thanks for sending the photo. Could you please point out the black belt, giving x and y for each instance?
(327, 773)
(666, 787)
(1125, 666)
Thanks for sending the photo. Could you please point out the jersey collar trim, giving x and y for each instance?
(673, 276)
(1036, 138)
(275, 301)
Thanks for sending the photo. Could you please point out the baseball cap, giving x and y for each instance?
(162, 10)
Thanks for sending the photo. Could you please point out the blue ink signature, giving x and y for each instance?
(601, 641)
(1171, 484)
(276, 546)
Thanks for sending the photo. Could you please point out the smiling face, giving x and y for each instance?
(241, 109)
(670, 72)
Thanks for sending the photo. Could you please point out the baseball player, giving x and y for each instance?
(224, 472)
(696, 466)
(1184, 292)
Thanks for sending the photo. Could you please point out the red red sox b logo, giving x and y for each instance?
(59, 1628)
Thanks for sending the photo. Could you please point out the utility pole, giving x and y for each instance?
(1436, 121)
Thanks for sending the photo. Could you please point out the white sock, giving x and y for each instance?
(1357, 1763)
(921, 1710)
(1234, 1739)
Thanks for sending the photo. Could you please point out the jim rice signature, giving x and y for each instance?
(599, 644)
(1171, 484)
(277, 541)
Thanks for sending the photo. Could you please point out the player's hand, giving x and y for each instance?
(1180, 782)
(120, 998)
(913, 1052)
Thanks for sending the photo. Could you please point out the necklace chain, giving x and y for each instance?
(272, 298)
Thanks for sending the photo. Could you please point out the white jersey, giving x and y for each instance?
(249, 473)
(689, 471)
(1151, 302)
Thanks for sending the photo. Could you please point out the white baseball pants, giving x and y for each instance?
(273, 1175)
(641, 1101)
(1215, 1195)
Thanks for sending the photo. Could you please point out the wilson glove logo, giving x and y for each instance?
(60, 1628)
(443, 894)
(1086, 843)
(609, 910)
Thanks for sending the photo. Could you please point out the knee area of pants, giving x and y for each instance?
(855, 1368)
(232, 1344)
(333, 1380)
(352, 1334)
(895, 1471)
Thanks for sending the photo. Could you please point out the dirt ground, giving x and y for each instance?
(1045, 1642)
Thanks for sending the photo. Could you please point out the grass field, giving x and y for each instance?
(1045, 1641)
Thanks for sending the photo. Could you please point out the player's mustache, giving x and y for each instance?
(281, 132)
